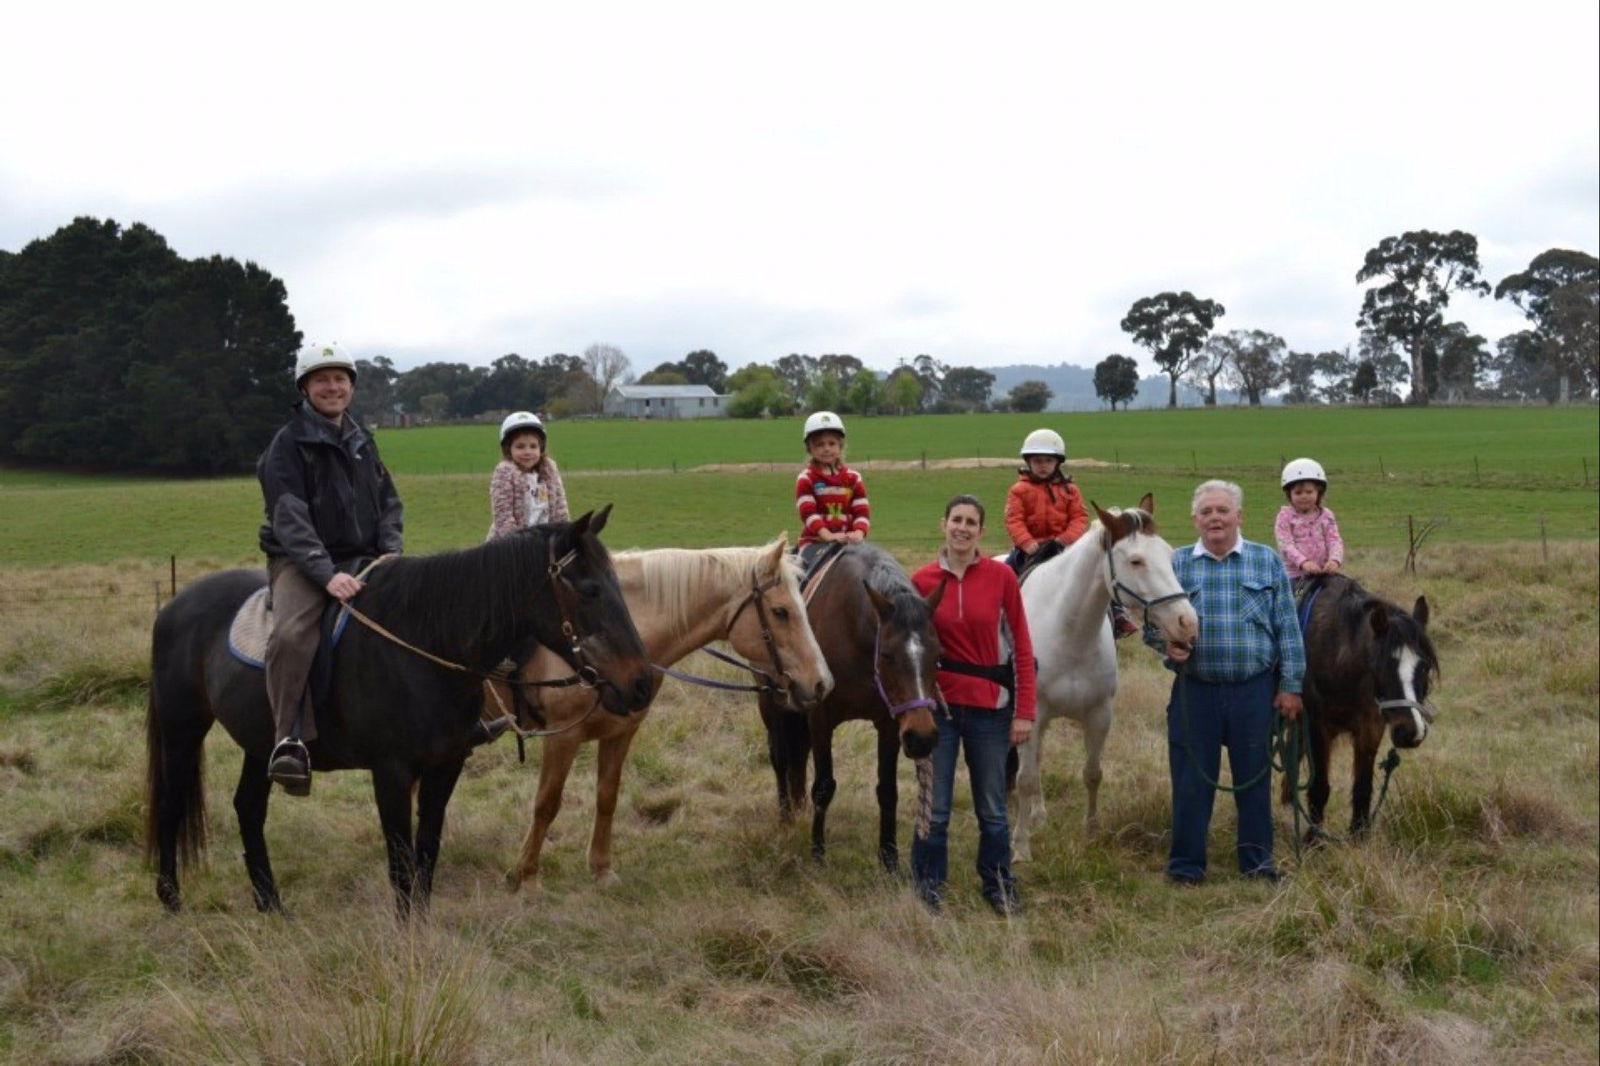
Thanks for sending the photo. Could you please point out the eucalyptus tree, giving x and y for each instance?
(1116, 380)
(1419, 270)
(1173, 326)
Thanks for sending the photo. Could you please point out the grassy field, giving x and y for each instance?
(1465, 931)
(1387, 466)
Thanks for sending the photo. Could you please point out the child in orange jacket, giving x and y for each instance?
(1045, 511)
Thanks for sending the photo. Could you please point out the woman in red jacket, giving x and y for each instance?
(987, 680)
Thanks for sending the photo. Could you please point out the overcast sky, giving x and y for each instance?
(988, 183)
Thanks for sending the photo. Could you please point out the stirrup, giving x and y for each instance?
(488, 731)
(290, 766)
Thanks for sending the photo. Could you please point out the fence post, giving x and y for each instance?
(172, 562)
(1544, 541)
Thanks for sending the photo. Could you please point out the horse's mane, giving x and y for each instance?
(1352, 605)
(889, 579)
(673, 577)
(1143, 522)
(458, 599)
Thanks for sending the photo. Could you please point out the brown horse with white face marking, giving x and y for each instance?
(1368, 668)
(877, 633)
(680, 600)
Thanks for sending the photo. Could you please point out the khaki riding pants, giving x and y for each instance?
(297, 605)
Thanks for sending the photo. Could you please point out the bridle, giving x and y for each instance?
(895, 709)
(1118, 589)
(586, 674)
(777, 679)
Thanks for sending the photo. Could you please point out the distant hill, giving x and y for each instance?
(1074, 387)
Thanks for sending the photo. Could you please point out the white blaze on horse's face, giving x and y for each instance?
(917, 652)
(1408, 663)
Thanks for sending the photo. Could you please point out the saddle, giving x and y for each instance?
(1026, 564)
(252, 622)
(815, 560)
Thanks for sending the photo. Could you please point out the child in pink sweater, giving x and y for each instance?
(1308, 534)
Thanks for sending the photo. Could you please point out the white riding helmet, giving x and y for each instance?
(820, 421)
(1304, 470)
(520, 420)
(1044, 442)
(314, 357)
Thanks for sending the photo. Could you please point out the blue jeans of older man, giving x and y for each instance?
(1202, 718)
(985, 735)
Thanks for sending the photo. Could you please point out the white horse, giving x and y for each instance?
(1066, 598)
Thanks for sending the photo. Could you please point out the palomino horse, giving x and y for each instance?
(1121, 557)
(877, 633)
(1368, 665)
(404, 711)
(680, 600)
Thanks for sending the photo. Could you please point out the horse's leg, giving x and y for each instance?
(888, 795)
(1027, 798)
(788, 745)
(1320, 739)
(438, 785)
(822, 789)
(1364, 742)
(613, 755)
(250, 806)
(555, 763)
(391, 789)
(1096, 727)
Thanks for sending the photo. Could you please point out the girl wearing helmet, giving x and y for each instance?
(1044, 509)
(831, 497)
(1308, 534)
(525, 488)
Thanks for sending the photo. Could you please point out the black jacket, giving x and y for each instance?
(329, 498)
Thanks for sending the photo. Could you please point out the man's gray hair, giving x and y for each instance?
(1235, 493)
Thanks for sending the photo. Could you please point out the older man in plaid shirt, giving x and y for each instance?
(1247, 662)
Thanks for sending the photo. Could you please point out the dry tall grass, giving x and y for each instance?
(1463, 931)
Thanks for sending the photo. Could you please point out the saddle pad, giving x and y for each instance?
(247, 635)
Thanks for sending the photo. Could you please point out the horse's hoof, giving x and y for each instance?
(607, 880)
(513, 880)
(1022, 854)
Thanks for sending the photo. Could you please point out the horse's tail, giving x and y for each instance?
(174, 779)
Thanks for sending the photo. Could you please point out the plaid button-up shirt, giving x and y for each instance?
(1247, 619)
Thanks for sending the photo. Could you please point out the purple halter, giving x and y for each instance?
(895, 709)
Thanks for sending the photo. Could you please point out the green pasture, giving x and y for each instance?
(1512, 444)
(1416, 468)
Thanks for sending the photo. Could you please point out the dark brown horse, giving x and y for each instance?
(405, 717)
(1368, 668)
(876, 631)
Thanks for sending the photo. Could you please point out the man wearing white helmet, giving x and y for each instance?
(330, 502)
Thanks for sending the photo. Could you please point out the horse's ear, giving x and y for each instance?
(1420, 612)
(880, 602)
(580, 525)
(783, 540)
(600, 517)
(932, 599)
(1378, 617)
(772, 558)
(1147, 504)
(1115, 525)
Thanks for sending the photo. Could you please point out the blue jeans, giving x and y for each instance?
(1237, 716)
(986, 736)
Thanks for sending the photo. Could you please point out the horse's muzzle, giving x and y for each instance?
(919, 745)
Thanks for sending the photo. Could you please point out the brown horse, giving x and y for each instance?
(877, 633)
(680, 600)
(1368, 667)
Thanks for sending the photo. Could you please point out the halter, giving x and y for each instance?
(1118, 589)
(895, 709)
(778, 679)
(1427, 710)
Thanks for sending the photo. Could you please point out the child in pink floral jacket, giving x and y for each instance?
(525, 488)
(1308, 534)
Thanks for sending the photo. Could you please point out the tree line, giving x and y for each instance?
(1404, 335)
(116, 352)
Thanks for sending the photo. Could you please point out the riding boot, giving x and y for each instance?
(290, 766)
